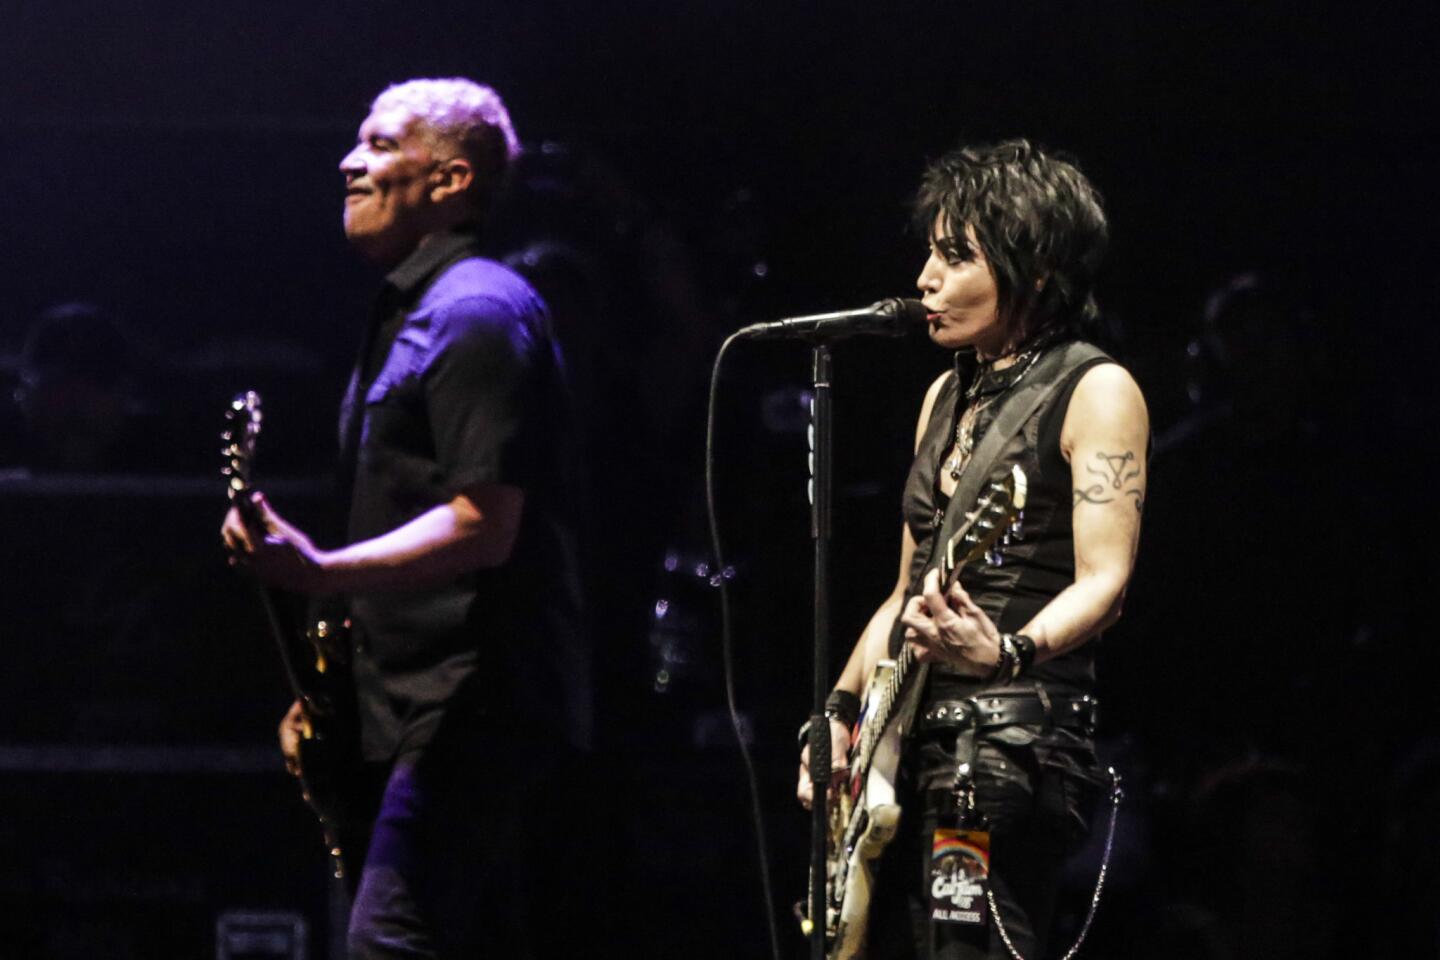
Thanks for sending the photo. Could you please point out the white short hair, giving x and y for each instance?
(461, 113)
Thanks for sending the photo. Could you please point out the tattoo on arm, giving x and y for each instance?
(1115, 473)
(1091, 494)
(1117, 470)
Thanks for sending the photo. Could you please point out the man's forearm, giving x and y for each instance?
(442, 543)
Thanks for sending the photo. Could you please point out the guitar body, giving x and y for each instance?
(854, 868)
(865, 817)
(329, 742)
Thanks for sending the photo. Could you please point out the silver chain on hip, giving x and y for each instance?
(1116, 795)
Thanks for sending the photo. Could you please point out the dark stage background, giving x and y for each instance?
(692, 167)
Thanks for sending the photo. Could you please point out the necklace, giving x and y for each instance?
(974, 406)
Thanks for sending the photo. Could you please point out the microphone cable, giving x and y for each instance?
(720, 580)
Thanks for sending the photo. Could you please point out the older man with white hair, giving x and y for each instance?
(459, 570)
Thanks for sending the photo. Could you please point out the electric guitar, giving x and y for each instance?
(864, 816)
(315, 669)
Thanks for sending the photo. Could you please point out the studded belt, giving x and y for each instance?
(989, 710)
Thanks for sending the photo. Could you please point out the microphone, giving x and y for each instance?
(892, 317)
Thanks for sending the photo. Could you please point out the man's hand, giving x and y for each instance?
(292, 731)
(279, 553)
(839, 764)
(951, 628)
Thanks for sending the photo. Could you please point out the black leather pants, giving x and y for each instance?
(1035, 791)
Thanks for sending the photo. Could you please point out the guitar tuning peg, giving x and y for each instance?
(997, 557)
(1017, 528)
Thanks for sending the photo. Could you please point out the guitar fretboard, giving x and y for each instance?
(877, 714)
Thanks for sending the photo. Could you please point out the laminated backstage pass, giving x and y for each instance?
(959, 875)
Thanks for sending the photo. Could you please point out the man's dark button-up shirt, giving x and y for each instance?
(459, 385)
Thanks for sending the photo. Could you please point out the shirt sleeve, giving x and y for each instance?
(477, 384)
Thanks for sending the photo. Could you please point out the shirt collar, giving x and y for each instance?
(964, 362)
(436, 251)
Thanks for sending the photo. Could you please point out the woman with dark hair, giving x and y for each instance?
(998, 730)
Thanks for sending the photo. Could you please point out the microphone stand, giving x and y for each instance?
(887, 318)
(820, 473)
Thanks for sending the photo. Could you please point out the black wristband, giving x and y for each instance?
(844, 706)
(1007, 661)
(1025, 647)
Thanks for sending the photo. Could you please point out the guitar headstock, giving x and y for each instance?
(242, 431)
(996, 517)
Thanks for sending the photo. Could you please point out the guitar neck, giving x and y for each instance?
(880, 712)
(993, 520)
(881, 709)
(282, 641)
(268, 601)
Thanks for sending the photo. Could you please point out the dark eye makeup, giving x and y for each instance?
(953, 249)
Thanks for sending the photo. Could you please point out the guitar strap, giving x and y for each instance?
(1049, 372)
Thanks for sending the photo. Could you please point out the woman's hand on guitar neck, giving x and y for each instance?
(950, 628)
(839, 764)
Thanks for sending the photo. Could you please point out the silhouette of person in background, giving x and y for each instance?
(78, 404)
